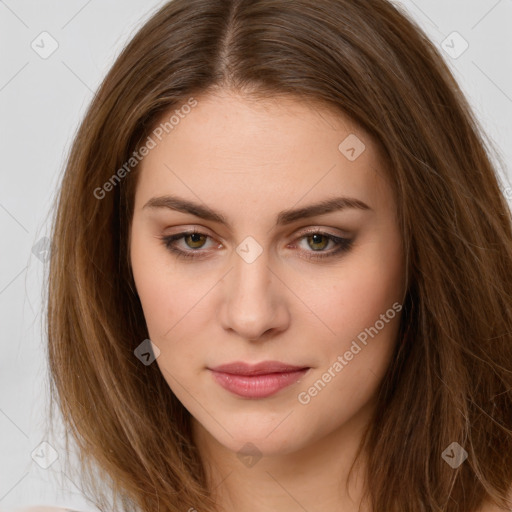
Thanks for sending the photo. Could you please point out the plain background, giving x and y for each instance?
(42, 101)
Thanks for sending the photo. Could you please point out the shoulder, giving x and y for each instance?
(486, 507)
(44, 508)
(491, 507)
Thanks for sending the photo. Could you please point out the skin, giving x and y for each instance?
(250, 161)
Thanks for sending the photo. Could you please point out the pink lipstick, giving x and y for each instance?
(257, 381)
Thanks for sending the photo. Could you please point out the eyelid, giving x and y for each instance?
(324, 230)
(202, 230)
(343, 244)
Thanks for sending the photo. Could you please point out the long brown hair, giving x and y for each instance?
(451, 378)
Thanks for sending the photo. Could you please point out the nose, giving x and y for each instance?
(255, 300)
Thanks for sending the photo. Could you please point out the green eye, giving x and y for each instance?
(195, 240)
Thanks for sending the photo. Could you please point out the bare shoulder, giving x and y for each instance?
(487, 507)
(491, 507)
(44, 509)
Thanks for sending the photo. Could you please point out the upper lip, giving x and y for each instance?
(265, 367)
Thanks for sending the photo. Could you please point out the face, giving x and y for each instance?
(267, 277)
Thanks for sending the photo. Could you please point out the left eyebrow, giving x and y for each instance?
(284, 217)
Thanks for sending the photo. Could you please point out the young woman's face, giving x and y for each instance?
(270, 276)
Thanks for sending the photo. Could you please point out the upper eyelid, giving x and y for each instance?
(179, 236)
(301, 232)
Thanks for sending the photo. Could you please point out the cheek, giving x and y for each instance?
(162, 293)
(356, 358)
(351, 297)
(176, 303)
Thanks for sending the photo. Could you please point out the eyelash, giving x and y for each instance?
(344, 245)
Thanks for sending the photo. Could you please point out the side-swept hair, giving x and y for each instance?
(450, 381)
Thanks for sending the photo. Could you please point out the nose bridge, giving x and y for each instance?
(251, 306)
(252, 275)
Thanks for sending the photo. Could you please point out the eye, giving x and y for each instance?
(193, 239)
(318, 240)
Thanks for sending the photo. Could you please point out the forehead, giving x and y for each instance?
(239, 151)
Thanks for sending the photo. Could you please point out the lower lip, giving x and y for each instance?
(257, 386)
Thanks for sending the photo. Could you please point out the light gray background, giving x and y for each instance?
(41, 104)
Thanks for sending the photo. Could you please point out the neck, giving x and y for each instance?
(315, 476)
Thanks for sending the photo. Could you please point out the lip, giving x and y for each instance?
(257, 381)
(263, 368)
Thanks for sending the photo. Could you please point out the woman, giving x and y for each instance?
(280, 276)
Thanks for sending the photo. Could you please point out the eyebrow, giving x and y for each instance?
(284, 217)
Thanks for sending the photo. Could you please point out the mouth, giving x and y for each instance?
(257, 381)
(263, 368)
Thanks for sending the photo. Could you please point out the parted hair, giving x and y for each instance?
(450, 379)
